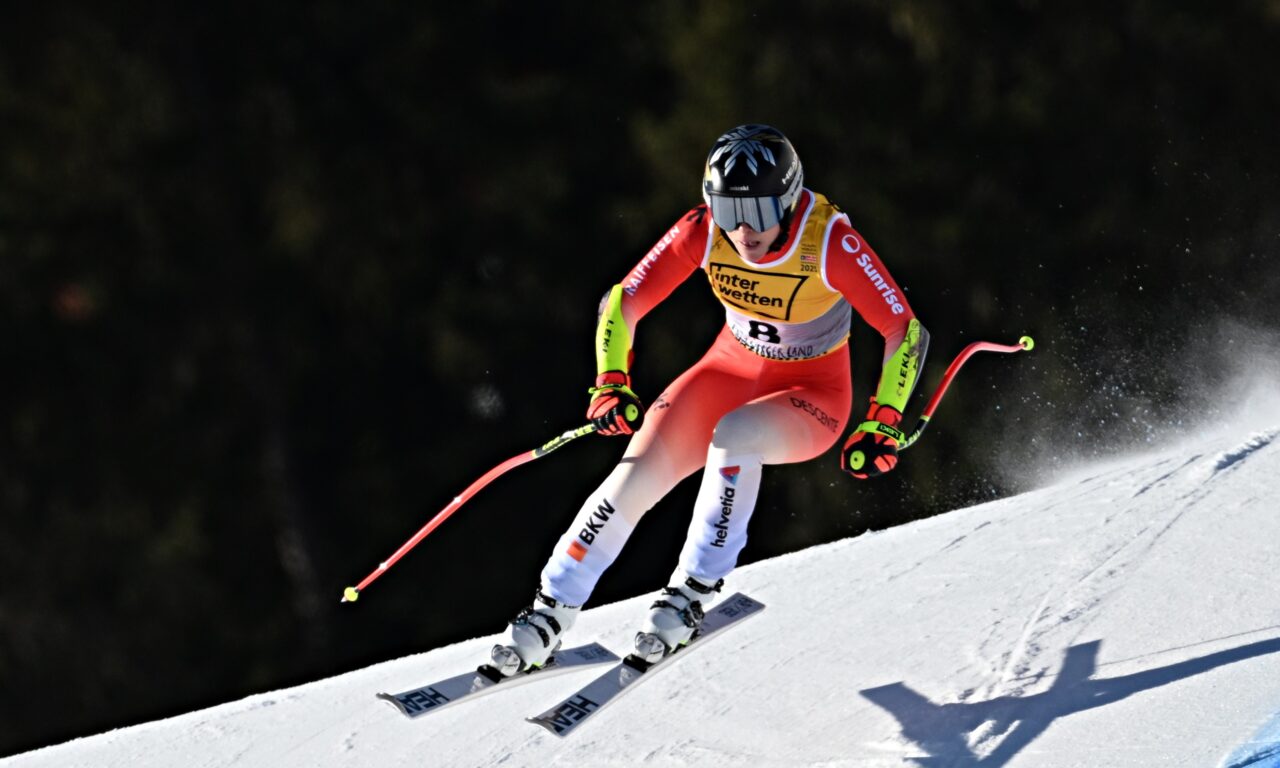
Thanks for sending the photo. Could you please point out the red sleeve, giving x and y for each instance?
(672, 259)
(855, 270)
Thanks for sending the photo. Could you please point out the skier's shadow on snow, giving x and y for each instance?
(941, 730)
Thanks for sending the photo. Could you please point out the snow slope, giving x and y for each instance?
(1125, 616)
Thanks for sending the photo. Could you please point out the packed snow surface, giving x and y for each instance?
(1124, 616)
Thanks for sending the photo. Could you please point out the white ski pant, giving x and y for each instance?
(729, 414)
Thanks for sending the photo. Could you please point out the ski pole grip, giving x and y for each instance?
(914, 434)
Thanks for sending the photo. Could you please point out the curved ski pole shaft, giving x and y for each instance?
(350, 594)
(1025, 344)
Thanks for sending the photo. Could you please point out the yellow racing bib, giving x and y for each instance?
(782, 309)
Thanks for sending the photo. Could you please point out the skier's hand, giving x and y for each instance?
(614, 408)
(872, 449)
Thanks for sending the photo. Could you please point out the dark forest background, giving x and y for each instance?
(278, 280)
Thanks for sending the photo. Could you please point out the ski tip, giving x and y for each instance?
(390, 699)
(350, 595)
(541, 722)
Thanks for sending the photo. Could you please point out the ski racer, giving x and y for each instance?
(774, 388)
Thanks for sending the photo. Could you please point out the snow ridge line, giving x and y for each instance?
(1227, 459)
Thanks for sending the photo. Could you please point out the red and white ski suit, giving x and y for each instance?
(774, 387)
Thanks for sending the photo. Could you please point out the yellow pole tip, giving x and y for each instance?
(350, 594)
(1027, 343)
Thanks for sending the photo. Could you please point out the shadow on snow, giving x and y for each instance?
(943, 730)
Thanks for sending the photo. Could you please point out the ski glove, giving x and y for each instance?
(872, 449)
(614, 408)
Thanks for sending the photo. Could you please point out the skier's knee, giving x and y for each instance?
(737, 431)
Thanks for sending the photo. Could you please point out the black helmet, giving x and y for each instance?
(753, 177)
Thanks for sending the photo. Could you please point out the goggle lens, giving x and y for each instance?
(759, 213)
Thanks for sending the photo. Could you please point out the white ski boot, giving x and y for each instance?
(534, 635)
(674, 618)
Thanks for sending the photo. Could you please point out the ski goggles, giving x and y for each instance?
(759, 213)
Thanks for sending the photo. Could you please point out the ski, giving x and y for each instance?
(568, 715)
(486, 679)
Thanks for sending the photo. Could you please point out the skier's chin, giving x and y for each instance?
(751, 248)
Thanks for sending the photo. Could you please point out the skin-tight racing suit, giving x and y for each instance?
(774, 388)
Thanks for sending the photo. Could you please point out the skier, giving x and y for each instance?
(774, 388)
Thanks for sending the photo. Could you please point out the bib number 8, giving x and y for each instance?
(765, 332)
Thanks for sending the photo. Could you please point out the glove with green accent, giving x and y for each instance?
(614, 408)
(872, 449)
